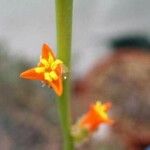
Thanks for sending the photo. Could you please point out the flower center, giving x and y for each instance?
(49, 68)
(101, 110)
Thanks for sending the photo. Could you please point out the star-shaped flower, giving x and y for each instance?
(49, 70)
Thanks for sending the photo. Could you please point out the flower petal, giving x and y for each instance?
(32, 75)
(57, 86)
(59, 69)
(91, 120)
(47, 51)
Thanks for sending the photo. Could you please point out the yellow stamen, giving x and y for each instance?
(53, 75)
(39, 69)
(50, 76)
(100, 108)
(47, 77)
(44, 62)
(50, 59)
(55, 64)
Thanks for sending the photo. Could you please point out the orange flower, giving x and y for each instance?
(49, 70)
(90, 121)
(96, 115)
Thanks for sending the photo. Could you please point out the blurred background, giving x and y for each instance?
(110, 60)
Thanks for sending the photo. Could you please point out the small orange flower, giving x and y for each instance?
(49, 70)
(90, 121)
(96, 115)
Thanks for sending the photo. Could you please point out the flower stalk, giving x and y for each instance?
(64, 32)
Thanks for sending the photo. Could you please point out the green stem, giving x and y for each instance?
(64, 33)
